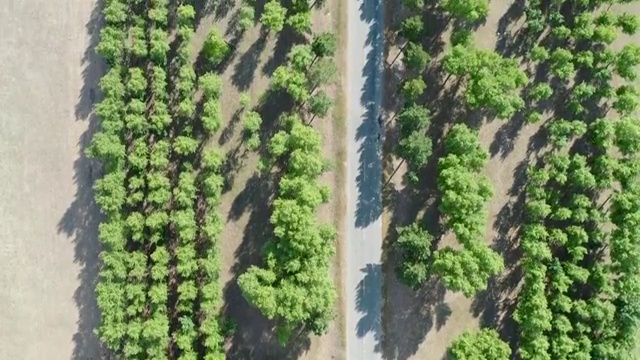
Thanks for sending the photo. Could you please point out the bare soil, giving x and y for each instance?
(49, 247)
(247, 200)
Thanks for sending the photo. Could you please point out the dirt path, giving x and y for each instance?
(48, 249)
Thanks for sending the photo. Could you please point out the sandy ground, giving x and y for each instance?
(246, 203)
(48, 249)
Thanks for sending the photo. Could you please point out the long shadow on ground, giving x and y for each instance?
(81, 219)
(369, 178)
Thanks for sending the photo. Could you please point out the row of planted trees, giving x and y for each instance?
(577, 296)
(150, 207)
(294, 286)
(579, 299)
(489, 83)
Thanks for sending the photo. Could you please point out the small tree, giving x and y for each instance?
(412, 89)
(247, 17)
(414, 245)
(322, 72)
(562, 63)
(319, 104)
(484, 344)
(300, 57)
(273, 16)
(300, 22)
(415, 58)
(629, 23)
(215, 48)
(468, 10)
(539, 53)
(412, 29)
(252, 123)
(211, 85)
(324, 44)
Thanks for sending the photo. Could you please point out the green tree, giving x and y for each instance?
(319, 104)
(539, 53)
(247, 17)
(324, 44)
(414, 245)
(252, 123)
(412, 89)
(159, 46)
(211, 85)
(629, 23)
(484, 344)
(492, 82)
(627, 60)
(322, 72)
(627, 135)
(415, 58)
(541, 91)
(626, 100)
(468, 10)
(215, 48)
(294, 82)
(300, 22)
(273, 16)
(412, 29)
(300, 57)
(562, 63)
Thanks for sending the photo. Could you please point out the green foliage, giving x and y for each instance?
(211, 85)
(300, 57)
(484, 344)
(560, 131)
(562, 63)
(252, 123)
(629, 23)
(415, 58)
(414, 245)
(300, 22)
(464, 195)
(247, 17)
(492, 81)
(294, 286)
(273, 16)
(412, 29)
(215, 48)
(468, 10)
(412, 89)
(626, 101)
(324, 44)
(414, 146)
(319, 104)
(627, 60)
(294, 82)
(540, 92)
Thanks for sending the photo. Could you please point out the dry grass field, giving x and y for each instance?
(422, 324)
(48, 249)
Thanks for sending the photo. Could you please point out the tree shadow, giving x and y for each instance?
(203, 8)
(414, 314)
(368, 303)
(369, 178)
(245, 68)
(285, 41)
(80, 220)
(495, 305)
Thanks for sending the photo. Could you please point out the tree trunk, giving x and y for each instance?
(393, 173)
